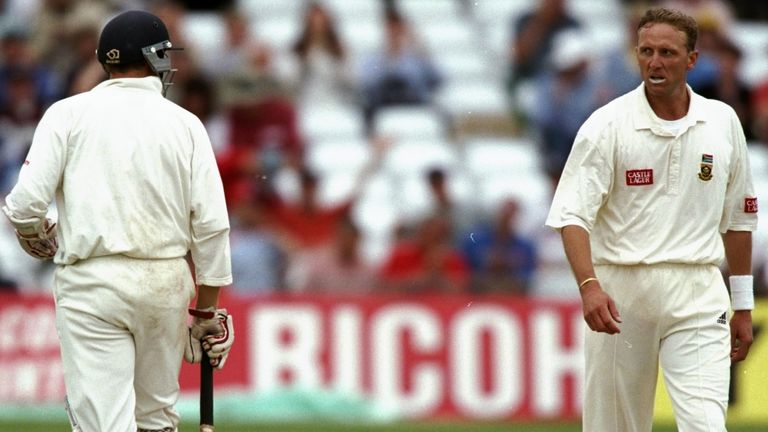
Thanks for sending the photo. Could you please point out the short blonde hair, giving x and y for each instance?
(676, 19)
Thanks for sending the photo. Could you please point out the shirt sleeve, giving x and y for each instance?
(27, 204)
(583, 187)
(740, 209)
(209, 219)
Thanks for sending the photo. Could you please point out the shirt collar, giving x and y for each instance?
(150, 83)
(645, 118)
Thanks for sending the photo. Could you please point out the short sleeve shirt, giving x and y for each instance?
(649, 196)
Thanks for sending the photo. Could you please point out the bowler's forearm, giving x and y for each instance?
(578, 251)
(738, 252)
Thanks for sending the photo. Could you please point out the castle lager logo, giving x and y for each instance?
(639, 177)
(750, 205)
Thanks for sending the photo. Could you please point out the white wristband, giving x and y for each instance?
(742, 295)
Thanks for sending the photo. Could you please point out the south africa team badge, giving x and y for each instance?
(705, 172)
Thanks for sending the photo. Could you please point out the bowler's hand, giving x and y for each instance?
(600, 311)
(741, 335)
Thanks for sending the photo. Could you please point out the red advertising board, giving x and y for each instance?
(448, 356)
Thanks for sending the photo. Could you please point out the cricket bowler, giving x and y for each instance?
(655, 195)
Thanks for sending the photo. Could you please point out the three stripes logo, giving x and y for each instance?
(722, 319)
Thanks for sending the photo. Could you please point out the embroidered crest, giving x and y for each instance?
(705, 171)
(639, 177)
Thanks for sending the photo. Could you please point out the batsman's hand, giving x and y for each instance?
(41, 245)
(212, 331)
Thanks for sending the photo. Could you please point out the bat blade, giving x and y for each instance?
(206, 395)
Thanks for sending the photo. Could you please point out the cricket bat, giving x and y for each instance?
(206, 395)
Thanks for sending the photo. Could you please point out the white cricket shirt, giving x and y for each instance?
(132, 173)
(648, 196)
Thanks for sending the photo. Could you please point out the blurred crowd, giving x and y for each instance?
(295, 230)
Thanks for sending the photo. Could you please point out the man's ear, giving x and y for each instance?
(693, 56)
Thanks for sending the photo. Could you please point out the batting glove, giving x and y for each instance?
(212, 331)
(41, 245)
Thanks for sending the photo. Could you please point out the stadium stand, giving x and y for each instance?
(471, 128)
(409, 122)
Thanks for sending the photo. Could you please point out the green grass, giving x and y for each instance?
(327, 427)
(398, 427)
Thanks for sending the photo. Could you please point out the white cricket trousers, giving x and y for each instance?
(122, 328)
(673, 316)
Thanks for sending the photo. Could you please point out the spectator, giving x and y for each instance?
(184, 59)
(760, 111)
(186, 63)
(309, 224)
(51, 27)
(85, 72)
(444, 201)
(707, 71)
(401, 74)
(260, 120)
(337, 267)
(617, 70)
(427, 263)
(200, 97)
(238, 42)
(248, 69)
(19, 116)
(172, 13)
(759, 105)
(704, 11)
(501, 259)
(323, 71)
(258, 257)
(16, 54)
(565, 98)
(262, 138)
(438, 188)
(13, 12)
(716, 19)
(729, 86)
(533, 40)
(750, 10)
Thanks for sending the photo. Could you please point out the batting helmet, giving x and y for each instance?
(135, 36)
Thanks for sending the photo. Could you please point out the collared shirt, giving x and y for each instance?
(132, 174)
(648, 196)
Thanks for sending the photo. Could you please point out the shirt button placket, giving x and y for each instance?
(674, 167)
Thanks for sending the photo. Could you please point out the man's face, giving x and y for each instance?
(663, 59)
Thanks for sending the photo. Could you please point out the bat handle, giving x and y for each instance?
(206, 394)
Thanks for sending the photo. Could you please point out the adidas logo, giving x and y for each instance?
(722, 319)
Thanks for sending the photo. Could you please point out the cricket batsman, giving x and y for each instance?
(137, 191)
